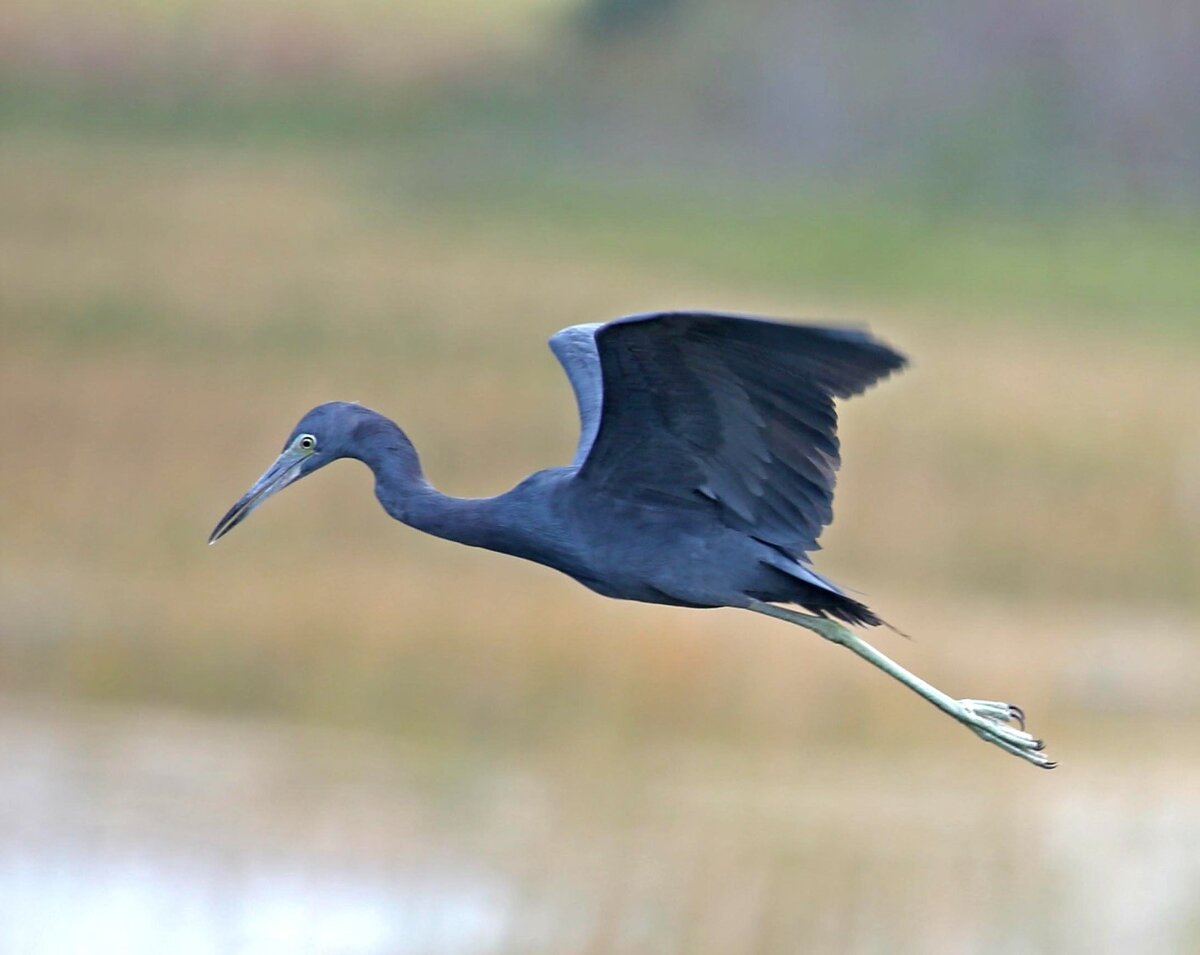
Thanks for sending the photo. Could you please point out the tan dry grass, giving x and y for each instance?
(989, 495)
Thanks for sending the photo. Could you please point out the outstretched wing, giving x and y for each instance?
(738, 410)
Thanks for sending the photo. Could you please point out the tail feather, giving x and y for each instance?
(843, 608)
(815, 592)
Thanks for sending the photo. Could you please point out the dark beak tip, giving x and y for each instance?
(227, 523)
(279, 475)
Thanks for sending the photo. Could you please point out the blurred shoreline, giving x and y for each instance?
(122, 826)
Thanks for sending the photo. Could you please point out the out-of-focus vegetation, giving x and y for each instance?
(171, 310)
(216, 217)
(213, 216)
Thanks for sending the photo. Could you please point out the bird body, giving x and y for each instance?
(694, 561)
(704, 472)
(703, 476)
(601, 540)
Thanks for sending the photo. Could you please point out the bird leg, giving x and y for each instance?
(989, 720)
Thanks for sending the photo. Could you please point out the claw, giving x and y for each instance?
(993, 721)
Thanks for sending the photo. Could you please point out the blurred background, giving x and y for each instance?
(330, 734)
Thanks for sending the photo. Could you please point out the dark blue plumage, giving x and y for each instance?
(705, 471)
(704, 474)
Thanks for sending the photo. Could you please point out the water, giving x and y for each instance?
(135, 902)
(148, 831)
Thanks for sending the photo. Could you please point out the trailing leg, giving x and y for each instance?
(991, 721)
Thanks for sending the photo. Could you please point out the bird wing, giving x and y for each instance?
(735, 409)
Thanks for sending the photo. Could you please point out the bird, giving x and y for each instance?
(703, 477)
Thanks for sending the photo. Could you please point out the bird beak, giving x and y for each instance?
(278, 476)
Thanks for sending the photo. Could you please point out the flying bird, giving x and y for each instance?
(703, 477)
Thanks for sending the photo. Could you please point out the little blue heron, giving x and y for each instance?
(703, 477)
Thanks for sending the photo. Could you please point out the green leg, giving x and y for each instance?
(989, 720)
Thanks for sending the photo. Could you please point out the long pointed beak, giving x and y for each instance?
(278, 476)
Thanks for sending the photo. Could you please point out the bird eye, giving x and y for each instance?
(306, 442)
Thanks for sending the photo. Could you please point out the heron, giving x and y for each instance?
(703, 477)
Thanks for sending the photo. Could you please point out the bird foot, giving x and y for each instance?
(1004, 725)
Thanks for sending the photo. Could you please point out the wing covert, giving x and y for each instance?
(575, 349)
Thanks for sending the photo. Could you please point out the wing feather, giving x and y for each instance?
(735, 409)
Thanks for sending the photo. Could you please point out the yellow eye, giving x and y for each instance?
(306, 442)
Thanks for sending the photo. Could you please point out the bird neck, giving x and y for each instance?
(406, 495)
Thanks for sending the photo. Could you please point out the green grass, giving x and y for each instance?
(1093, 267)
(468, 131)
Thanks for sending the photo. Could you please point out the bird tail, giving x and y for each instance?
(822, 596)
(847, 610)
(856, 613)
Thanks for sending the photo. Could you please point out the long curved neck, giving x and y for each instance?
(406, 495)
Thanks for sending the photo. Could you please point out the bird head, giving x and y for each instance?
(323, 435)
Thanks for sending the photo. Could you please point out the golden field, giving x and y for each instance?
(1015, 500)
